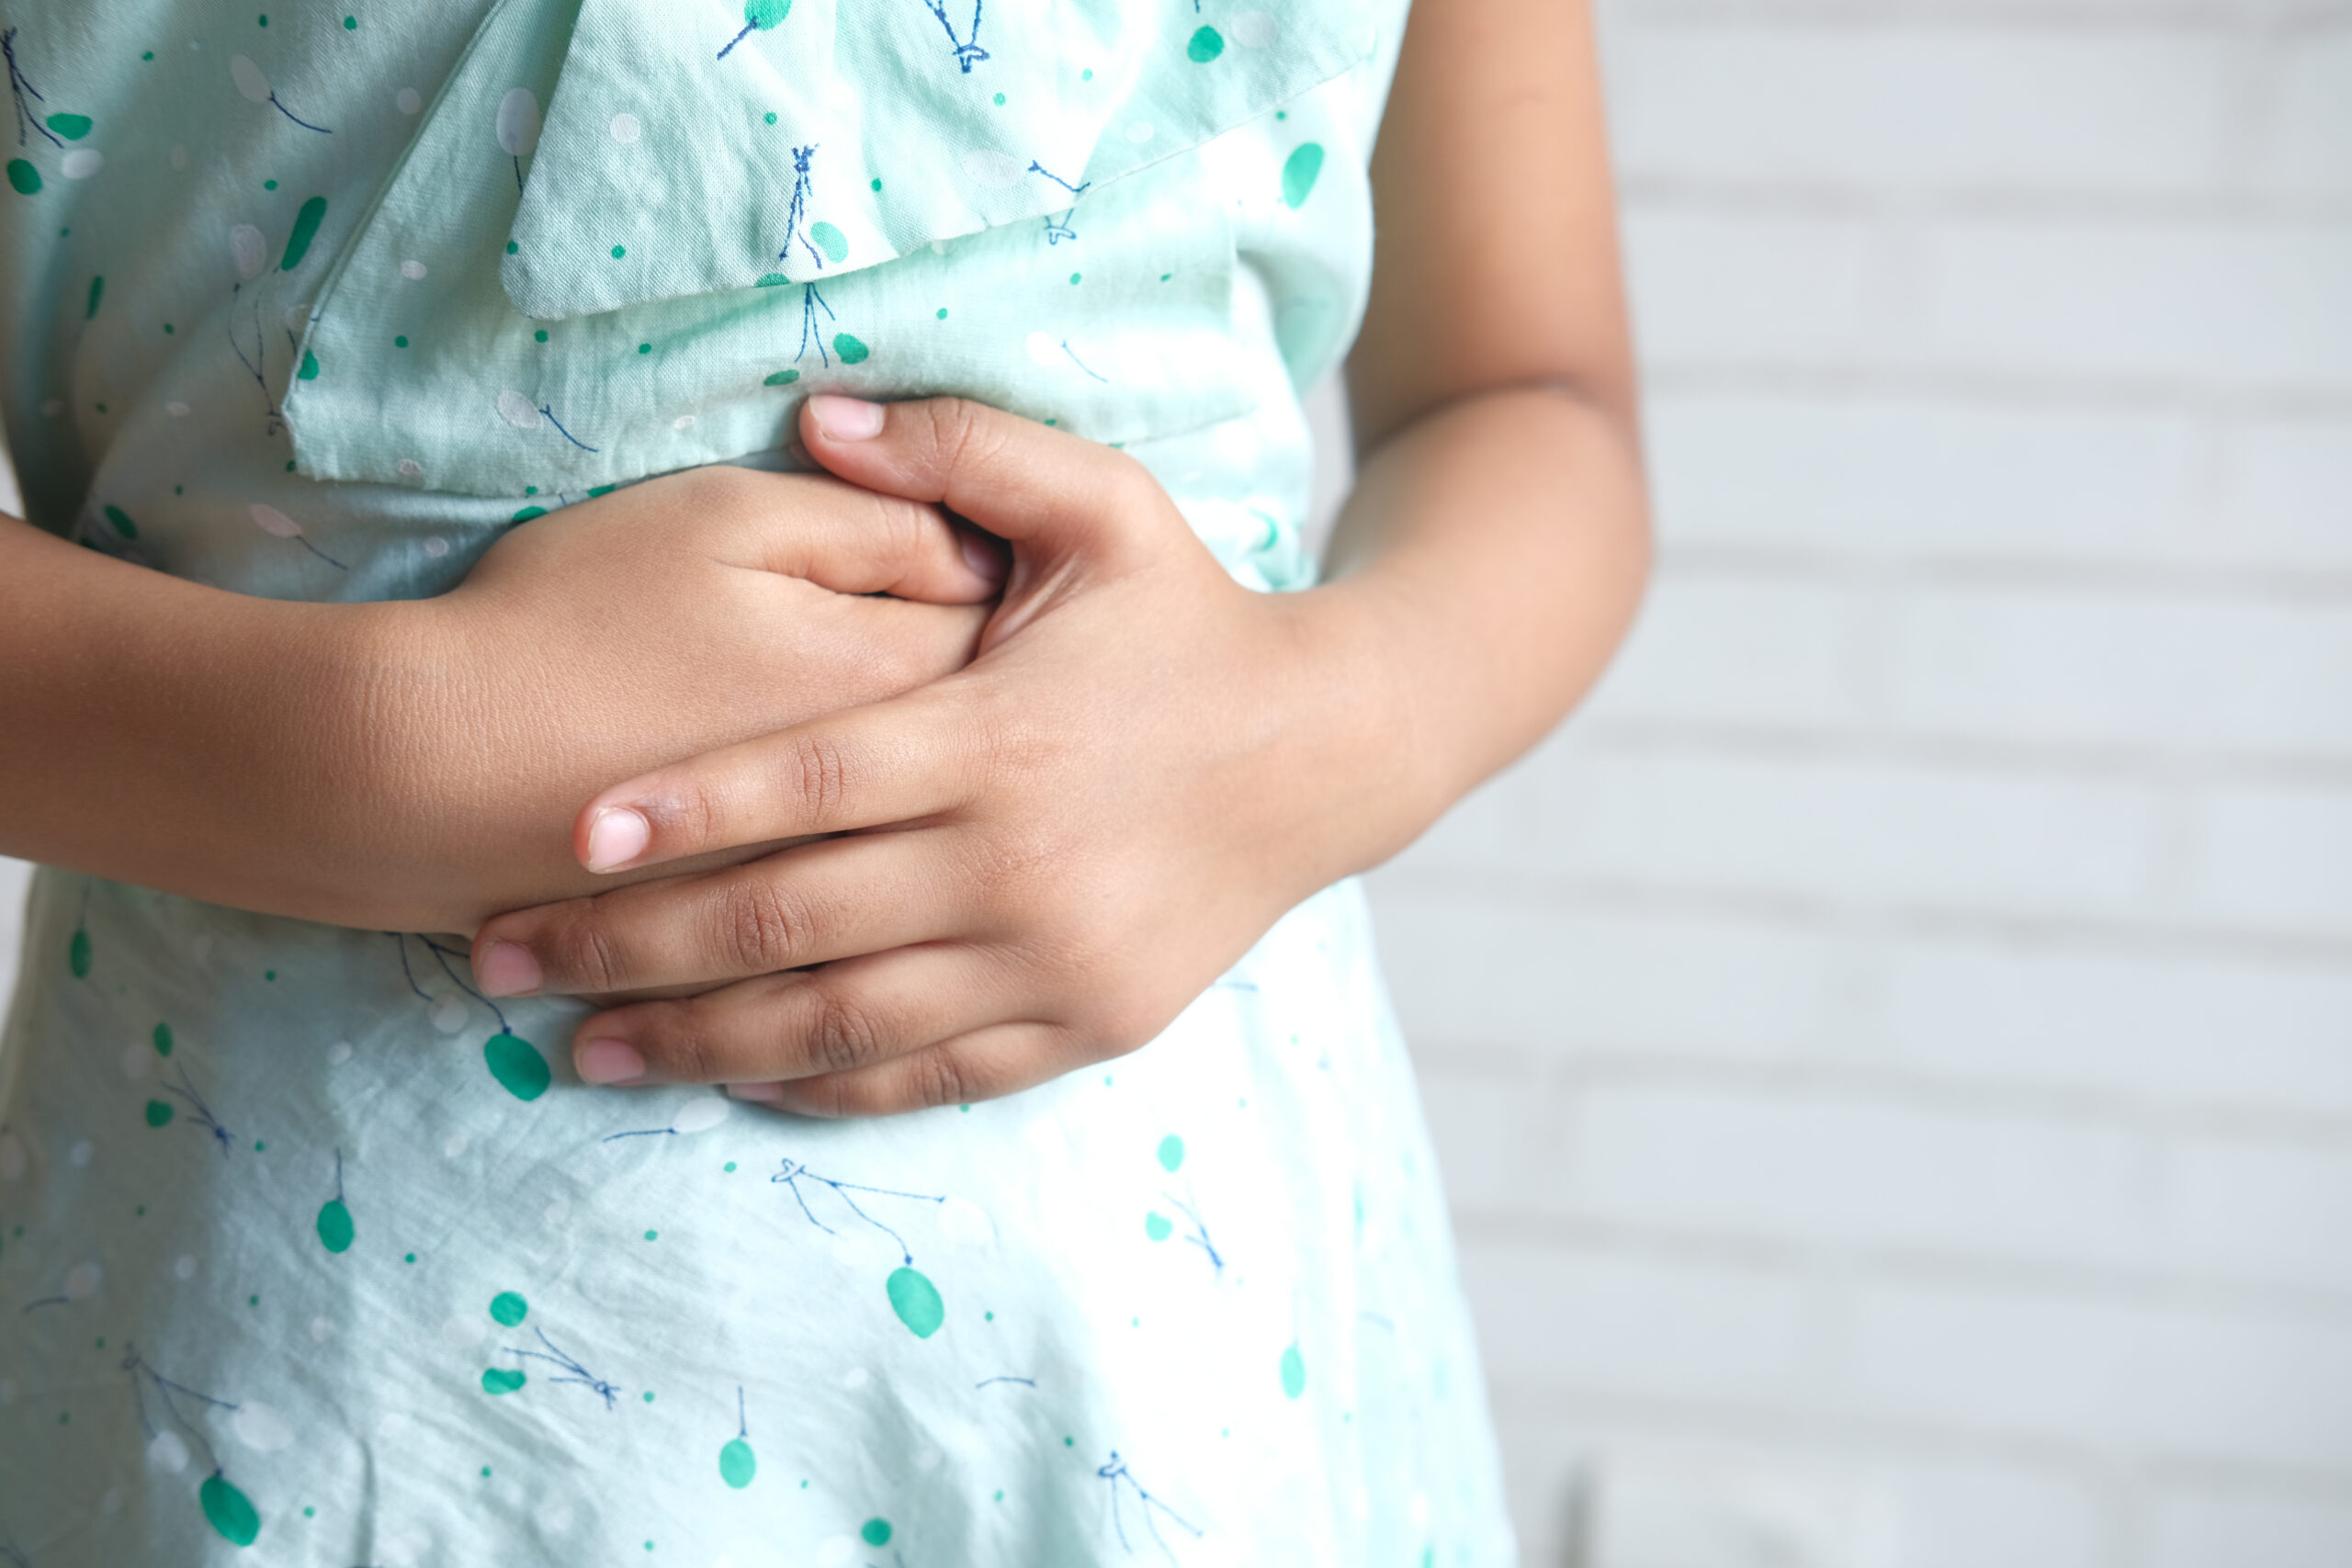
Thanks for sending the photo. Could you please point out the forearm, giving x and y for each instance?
(162, 732)
(1486, 566)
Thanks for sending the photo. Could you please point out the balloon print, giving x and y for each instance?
(737, 1463)
(518, 126)
(759, 16)
(967, 49)
(250, 250)
(255, 88)
(277, 525)
(335, 1227)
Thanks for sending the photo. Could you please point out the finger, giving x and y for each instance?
(834, 1019)
(1013, 476)
(986, 1064)
(854, 540)
(913, 756)
(812, 904)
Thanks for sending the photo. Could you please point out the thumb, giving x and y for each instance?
(1057, 494)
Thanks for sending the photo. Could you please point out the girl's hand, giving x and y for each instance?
(658, 622)
(1040, 860)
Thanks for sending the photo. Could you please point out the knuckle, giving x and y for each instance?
(842, 1034)
(938, 1078)
(817, 773)
(583, 947)
(763, 928)
(683, 1042)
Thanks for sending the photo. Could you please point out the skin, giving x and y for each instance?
(1139, 735)
(1047, 824)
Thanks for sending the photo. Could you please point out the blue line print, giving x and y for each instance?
(258, 366)
(550, 414)
(1116, 1472)
(794, 1170)
(810, 303)
(202, 1114)
(968, 50)
(1082, 364)
(575, 1372)
(17, 88)
(1200, 1233)
(136, 1365)
(1058, 230)
(1025, 1382)
(799, 207)
(441, 956)
(297, 118)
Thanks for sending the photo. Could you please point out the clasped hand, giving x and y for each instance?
(1029, 864)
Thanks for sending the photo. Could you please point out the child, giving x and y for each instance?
(867, 432)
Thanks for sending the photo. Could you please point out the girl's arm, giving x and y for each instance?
(1053, 851)
(416, 765)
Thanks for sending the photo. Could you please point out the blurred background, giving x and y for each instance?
(1892, 1052)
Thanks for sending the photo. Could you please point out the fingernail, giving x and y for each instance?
(845, 419)
(982, 557)
(617, 837)
(507, 970)
(608, 1061)
(759, 1093)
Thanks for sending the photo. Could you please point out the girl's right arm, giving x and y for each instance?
(415, 764)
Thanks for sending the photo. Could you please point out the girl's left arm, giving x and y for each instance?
(1042, 859)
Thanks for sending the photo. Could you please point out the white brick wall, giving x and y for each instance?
(1892, 1052)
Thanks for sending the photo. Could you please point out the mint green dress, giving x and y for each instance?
(312, 1257)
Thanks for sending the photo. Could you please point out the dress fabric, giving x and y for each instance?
(312, 1257)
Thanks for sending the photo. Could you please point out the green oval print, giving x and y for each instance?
(97, 292)
(335, 1229)
(852, 350)
(876, 1532)
(121, 521)
(1294, 1372)
(781, 378)
(509, 1308)
(229, 1511)
(831, 241)
(1306, 162)
(1171, 1152)
(498, 1380)
(24, 176)
(1156, 1226)
(738, 1464)
(528, 513)
(517, 1066)
(160, 1113)
(72, 127)
(765, 14)
(772, 280)
(163, 1038)
(309, 371)
(77, 951)
(916, 1301)
(306, 229)
(1206, 45)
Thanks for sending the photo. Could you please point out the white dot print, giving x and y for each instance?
(82, 163)
(517, 410)
(80, 1153)
(408, 100)
(1253, 29)
(185, 1267)
(556, 1212)
(626, 128)
(392, 1427)
(1140, 132)
(457, 1145)
(412, 269)
(855, 1379)
(834, 1550)
(297, 318)
(448, 1015)
(437, 547)
(411, 468)
(702, 1114)
(261, 1428)
(168, 1452)
(683, 422)
(249, 250)
(461, 1329)
(251, 82)
(81, 1282)
(136, 1060)
(339, 1053)
(518, 123)
(320, 1330)
(993, 171)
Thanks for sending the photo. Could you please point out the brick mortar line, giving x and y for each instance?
(2097, 1467)
(1782, 908)
(2227, 203)
(2007, 390)
(1841, 1267)
(1894, 570)
(1574, 1070)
